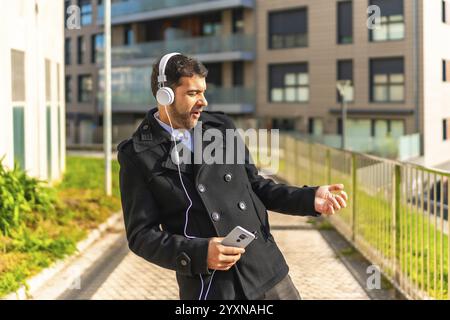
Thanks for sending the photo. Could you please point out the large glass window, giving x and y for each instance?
(387, 80)
(86, 12)
(392, 24)
(289, 83)
(288, 29)
(85, 87)
(345, 22)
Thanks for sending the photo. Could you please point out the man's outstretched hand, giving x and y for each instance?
(326, 202)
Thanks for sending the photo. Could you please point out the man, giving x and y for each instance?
(181, 229)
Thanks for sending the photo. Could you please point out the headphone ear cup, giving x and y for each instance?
(165, 96)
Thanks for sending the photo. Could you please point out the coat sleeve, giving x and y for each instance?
(280, 197)
(142, 224)
(277, 196)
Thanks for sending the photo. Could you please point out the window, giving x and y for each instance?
(446, 129)
(283, 124)
(128, 35)
(387, 80)
(81, 50)
(214, 78)
(446, 11)
(18, 99)
(86, 12)
(85, 88)
(68, 51)
(68, 89)
(345, 72)
(387, 128)
(392, 26)
(446, 70)
(238, 20)
(48, 81)
(211, 24)
(289, 83)
(97, 45)
(288, 29)
(315, 126)
(18, 76)
(238, 73)
(345, 22)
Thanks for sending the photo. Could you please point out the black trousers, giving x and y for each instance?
(283, 290)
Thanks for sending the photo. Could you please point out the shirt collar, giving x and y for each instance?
(178, 134)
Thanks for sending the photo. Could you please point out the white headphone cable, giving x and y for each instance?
(190, 204)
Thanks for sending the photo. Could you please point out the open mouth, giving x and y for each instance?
(196, 113)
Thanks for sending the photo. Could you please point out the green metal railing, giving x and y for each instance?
(397, 213)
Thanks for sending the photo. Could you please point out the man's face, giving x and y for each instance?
(189, 102)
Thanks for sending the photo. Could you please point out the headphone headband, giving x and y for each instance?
(162, 67)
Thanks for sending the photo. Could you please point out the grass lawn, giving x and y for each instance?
(45, 237)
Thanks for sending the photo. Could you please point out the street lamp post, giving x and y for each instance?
(343, 87)
(107, 103)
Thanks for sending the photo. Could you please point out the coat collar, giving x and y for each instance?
(150, 133)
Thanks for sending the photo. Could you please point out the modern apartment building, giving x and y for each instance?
(219, 33)
(32, 127)
(275, 64)
(82, 46)
(399, 71)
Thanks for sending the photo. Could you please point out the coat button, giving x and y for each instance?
(227, 177)
(183, 263)
(201, 188)
(215, 216)
(242, 205)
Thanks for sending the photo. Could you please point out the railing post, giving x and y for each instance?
(353, 196)
(328, 164)
(310, 164)
(396, 188)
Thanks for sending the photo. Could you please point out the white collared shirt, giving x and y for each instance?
(183, 135)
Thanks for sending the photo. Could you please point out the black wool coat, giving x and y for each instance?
(224, 196)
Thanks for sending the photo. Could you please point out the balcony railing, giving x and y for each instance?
(136, 100)
(132, 7)
(193, 46)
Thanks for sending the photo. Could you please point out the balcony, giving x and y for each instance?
(206, 49)
(131, 93)
(142, 10)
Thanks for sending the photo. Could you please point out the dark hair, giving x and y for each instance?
(177, 67)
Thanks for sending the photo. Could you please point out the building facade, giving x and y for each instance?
(398, 71)
(32, 87)
(276, 63)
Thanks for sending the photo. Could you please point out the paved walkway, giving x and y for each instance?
(108, 270)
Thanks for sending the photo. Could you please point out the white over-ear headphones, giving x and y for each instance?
(165, 95)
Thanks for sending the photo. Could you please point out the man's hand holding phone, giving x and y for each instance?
(221, 257)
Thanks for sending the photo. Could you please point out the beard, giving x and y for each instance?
(183, 118)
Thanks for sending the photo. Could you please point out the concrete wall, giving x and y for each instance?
(38, 31)
(436, 92)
